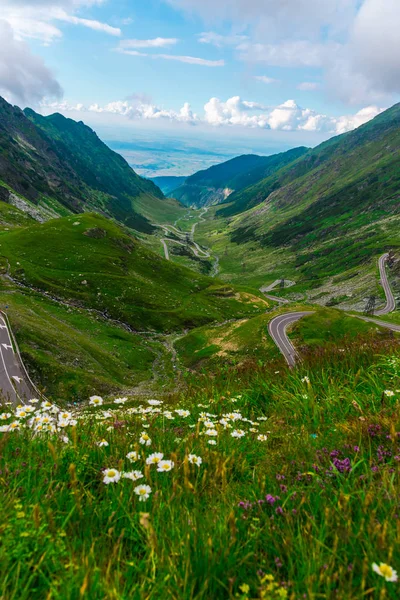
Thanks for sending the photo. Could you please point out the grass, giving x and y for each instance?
(303, 511)
(90, 261)
(70, 352)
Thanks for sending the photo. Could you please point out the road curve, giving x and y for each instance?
(278, 331)
(15, 385)
(390, 300)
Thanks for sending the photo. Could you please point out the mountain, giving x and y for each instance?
(216, 184)
(54, 166)
(331, 212)
(168, 183)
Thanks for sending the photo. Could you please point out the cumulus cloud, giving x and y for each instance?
(233, 112)
(23, 76)
(136, 107)
(158, 42)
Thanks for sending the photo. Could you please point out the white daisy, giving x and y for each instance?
(96, 400)
(145, 439)
(132, 456)
(154, 458)
(102, 443)
(111, 476)
(143, 491)
(134, 475)
(195, 460)
(165, 465)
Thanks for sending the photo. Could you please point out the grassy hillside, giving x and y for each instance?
(89, 260)
(296, 495)
(214, 185)
(61, 167)
(323, 221)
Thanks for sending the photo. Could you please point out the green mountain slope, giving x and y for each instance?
(339, 188)
(322, 221)
(58, 166)
(216, 184)
(89, 261)
(168, 184)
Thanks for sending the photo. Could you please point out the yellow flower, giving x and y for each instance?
(245, 588)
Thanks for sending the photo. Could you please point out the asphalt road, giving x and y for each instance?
(14, 385)
(278, 331)
(390, 301)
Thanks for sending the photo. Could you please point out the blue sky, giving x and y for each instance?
(272, 73)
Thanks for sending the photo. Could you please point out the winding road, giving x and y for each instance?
(15, 384)
(182, 235)
(278, 331)
(390, 301)
(278, 326)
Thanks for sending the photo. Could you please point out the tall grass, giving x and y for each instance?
(301, 514)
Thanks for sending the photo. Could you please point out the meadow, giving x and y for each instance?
(256, 482)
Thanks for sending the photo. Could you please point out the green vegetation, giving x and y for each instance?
(68, 169)
(211, 186)
(301, 504)
(91, 261)
(71, 352)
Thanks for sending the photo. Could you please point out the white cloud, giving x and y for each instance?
(276, 18)
(153, 43)
(210, 37)
(137, 107)
(39, 19)
(285, 117)
(289, 53)
(234, 112)
(265, 79)
(96, 25)
(191, 60)
(308, 86)
(23, 76)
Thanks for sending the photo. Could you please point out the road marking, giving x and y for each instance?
(7, 346)
(17, 379)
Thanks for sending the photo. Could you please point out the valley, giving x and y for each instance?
(200, 393)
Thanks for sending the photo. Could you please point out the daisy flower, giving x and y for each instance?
(165, 465)
(111, 476)
(143, 491)
(120, 400)
(134, 475)
(102, 443)
(262, 437)
(154, 458)
(96, 400)
(238, 433)
(195, 460)
(154, 402)
(144, 439)
(212, 442)
(388, 393)
(5, 416)
(132, 456)
(211, 432)
(182, 413)
(385, 571)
